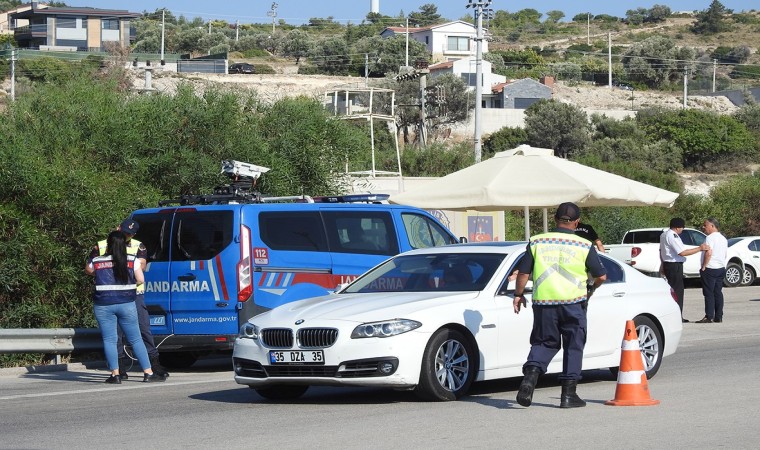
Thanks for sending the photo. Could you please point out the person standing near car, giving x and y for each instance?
(586, 231)
(135, 248)
(116, 276)
(713, 270)
(560, 263)
(673, 254)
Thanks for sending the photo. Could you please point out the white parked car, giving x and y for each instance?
(436, 320)
(748, 249)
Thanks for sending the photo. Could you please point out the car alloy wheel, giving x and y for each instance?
(650, 344)
(749, 276)
(448, 366)
(734, 275)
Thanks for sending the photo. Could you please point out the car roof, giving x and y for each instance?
(479, 247)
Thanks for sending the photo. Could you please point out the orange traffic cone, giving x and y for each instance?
(632, 388)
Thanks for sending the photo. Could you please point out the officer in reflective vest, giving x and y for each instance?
(137, 249)
(560, 263)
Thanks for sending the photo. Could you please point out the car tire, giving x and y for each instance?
(651, 345)
(449, 365)
(748, 279)
(177, 360)
(281, 392)
(734, 275)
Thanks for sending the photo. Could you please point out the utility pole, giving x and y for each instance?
(423, 127)
(237, 30)
(588, 28)
(407, 43)
(163, 33)
(273, 14)
(609, 59)
(715, 67)
(13, 74)
(479, 6)
(366, 69)
(685, 85)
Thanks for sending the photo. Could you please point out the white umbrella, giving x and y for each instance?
(528, 177)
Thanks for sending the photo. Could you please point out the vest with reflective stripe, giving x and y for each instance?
(559, 268)
(132, 247)
(107, 290)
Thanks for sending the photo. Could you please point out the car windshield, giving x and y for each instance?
(430, 273)
(733, 241)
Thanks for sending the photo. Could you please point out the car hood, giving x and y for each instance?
(361, 307)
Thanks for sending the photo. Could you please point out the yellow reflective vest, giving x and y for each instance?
(133, 245)
(559, 268)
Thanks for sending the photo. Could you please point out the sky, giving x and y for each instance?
(297, 12)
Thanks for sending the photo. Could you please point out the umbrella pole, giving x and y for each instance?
(527, 224)
(546, 220)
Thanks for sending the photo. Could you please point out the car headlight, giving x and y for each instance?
(386, 328)
(249, 331)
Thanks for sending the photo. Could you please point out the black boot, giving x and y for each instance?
(158, 369)
(530, 378)
(124, 365)
(569, 398)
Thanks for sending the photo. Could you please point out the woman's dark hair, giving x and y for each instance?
(116, 246)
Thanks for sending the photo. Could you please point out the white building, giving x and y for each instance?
(446, 42)
(465, 69)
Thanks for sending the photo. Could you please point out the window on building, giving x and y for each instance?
(459, 43)
(66, 22)
(109, 24)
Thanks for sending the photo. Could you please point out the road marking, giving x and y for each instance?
(118, 388)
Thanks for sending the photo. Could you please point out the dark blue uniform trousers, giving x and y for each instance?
(712, 288)
(143, 319)
(556, 326)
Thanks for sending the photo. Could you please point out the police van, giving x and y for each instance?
(214, 263)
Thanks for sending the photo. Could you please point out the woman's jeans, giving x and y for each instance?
(125, 314)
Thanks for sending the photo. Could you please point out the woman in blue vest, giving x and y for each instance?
(116, 278)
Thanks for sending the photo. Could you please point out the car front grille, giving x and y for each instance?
(301, 371)
(317, 337)
(277, 337)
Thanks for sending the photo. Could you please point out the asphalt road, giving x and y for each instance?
(708, 391)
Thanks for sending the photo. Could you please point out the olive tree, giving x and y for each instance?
(559, 126)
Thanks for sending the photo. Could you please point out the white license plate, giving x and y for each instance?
(296, 357)
(157, 321)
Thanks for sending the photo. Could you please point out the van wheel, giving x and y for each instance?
(281, 392)
(177, 360)
(734, 275)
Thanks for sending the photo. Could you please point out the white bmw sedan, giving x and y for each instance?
(436, 320)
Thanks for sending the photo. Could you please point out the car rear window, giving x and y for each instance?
(642, 237)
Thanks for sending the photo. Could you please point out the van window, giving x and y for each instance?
(154, 234)
(423, 232)
(200, 235)
(366, 232)
(298, 231)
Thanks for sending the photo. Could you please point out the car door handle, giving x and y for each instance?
(618, 294)
(187, 277)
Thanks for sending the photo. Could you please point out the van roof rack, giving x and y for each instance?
(353, 198)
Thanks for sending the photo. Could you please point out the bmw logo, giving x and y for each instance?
(299, 321)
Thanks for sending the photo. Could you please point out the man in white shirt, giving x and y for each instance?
(713, 270)
(673, 254)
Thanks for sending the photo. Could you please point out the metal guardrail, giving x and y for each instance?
(49, 340)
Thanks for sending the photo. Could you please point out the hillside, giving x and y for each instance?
(586, 96)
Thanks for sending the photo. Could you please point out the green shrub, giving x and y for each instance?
(263, 69)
